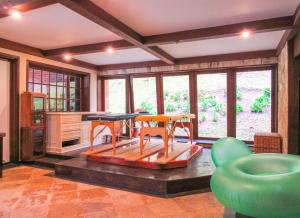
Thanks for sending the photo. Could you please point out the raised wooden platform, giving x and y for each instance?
(127, 153)
(167, 183)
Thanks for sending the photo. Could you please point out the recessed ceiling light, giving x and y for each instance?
(15, 14)
(110, 50)
(67, 57)
(245, 34)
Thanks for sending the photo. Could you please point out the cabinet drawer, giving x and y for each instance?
(71, 119)
(70, 127)
(69, 135)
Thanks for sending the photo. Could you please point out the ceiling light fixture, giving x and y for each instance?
(67, 57)
(110, 50)
(15, 13)
(245, 34)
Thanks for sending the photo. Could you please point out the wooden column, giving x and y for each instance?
(159, 94)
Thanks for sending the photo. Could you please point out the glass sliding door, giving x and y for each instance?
(176, 94)
(176, 97)
(253, 103)
(144, 94)
(115, 95)
(212, 105)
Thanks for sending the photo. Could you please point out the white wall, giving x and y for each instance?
(4, 105)
(23, 58)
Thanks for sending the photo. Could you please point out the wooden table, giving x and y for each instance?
(164, 126)
(1, 152)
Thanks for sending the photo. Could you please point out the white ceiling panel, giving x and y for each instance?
(53, 27)
(256, 42)
(150, 17)
(117, 57)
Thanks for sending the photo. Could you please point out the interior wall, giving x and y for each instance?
(23, 72)
(4, 106)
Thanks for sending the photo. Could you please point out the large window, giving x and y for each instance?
(227, 103)
(115, 95)
(63, 90)
(212, 105)
(253, 103)
(176, 94)
(144, 93)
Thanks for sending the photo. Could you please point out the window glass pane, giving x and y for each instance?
(77, 93)
(37, 88)
(53, 78)
(78, 82)
(144, 92)
(72, 81)
(30, 75)
(52, 104)
(37, 77)
(60, 93)
(253, 103)
(66, 77)
(30, 87)
(212, 105)
(60, 79)
(77, 106)
(45, 90)
(176, 94)
(45, 77)
(72, 93)
(176, 97)
(72, 105)
(115, 96)
(59, 105)
(52, 91)
(65, 105)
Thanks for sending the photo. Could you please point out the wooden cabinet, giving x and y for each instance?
(32, 126)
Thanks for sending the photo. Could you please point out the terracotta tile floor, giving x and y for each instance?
(34, 192)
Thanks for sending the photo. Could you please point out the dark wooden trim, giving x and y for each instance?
(231, 103)
(20, 47)
(258, 26)
(194, 101)
(160, 94)
(283, 41)
(86, 96)
(193, 60)
(131, 94)
(90, 48)
(50, 67)
(14, 46)
(24, 5)
(99, 16)
(293, 101)
(274, 100)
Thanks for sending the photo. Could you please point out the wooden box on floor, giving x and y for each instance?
(267, 143)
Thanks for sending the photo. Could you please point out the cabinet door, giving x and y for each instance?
(38, 110)
(38, 141)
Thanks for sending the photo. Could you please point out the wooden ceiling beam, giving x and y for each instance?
(90, 48)
(99, 16)
(23, 5)
(267, 25)
(194, 60)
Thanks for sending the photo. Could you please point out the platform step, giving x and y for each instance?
(48, 162)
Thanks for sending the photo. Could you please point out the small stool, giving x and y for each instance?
(267, 143)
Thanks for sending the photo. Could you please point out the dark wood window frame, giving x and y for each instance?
(82, 80)
(231, 93)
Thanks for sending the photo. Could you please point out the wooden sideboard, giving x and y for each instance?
(1, 153)
(67, 131)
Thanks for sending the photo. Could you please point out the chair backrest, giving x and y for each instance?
(227, 149)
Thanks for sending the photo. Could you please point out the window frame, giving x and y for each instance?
(230, 85)
(83, 89)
